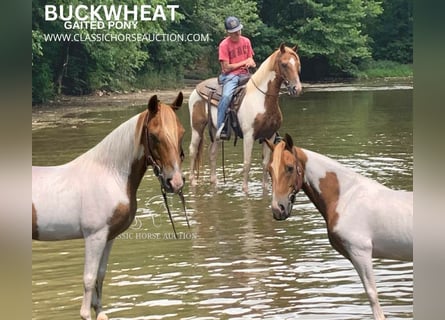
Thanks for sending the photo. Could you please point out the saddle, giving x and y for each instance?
(211, 91)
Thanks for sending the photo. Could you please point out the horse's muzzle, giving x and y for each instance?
(280, 211)
(173, 183)
(293, 88)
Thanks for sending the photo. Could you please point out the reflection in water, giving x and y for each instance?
(236, 261)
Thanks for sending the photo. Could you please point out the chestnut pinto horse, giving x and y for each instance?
(259, 114)
(364, 219)
(94, 196)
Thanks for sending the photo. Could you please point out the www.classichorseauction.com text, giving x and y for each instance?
(114, 17)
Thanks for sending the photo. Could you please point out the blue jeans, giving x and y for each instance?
(229, 82)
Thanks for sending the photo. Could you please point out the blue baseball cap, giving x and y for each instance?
(232, 24)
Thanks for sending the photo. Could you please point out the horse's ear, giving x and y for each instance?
(178, 101)
(153, 104)
(282, 47)
(295, 48)
(289, 142)
(270, 144)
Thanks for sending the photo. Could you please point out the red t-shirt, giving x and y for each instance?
(234, 52)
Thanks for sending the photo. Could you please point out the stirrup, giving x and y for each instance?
(278, 138)
(224, 136)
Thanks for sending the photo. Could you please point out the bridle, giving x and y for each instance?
(149, 160)
(297, 185)
(284, 80)
(158, 172)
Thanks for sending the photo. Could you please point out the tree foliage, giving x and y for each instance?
(333, 36)
(392, 33)
(329, 30)
(80, 67)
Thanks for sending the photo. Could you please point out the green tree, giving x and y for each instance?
(392, 32)
(80, 67)
(333, 36)
(329, 32)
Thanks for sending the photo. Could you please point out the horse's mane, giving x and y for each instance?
(119, 148)
(268, 65)
(265, 67)
(330, 163)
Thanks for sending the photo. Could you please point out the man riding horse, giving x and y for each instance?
(235, 56)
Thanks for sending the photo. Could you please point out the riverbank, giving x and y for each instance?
(65, 109)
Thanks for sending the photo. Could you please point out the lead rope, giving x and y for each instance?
(181, 196)
(157, 172)
(164, 195)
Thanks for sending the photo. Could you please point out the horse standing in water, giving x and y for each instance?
(94, 196)
(364, 219)
(259, 114)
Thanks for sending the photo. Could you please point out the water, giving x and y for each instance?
(236, 262)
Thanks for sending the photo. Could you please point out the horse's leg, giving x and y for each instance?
(247, 146)
(195, 142)
(97, 295)
(266, 158)
(361, 258)
(213, 155)
(94, 249)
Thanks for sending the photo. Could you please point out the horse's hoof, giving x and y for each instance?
(102, 316)
(193, 182)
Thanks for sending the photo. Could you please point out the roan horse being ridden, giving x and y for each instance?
(364, 219)
(94, 196)
(258, 117)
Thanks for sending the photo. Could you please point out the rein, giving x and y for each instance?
(157, 170)
(286, 82)
(262, 91)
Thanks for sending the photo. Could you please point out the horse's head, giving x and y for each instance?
(162, 140)
(288, 67)
(287, 176)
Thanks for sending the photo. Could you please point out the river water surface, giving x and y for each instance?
(236, 261)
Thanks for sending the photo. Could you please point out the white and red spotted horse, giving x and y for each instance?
(259, 114)
(364, 219)
(94, 196)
